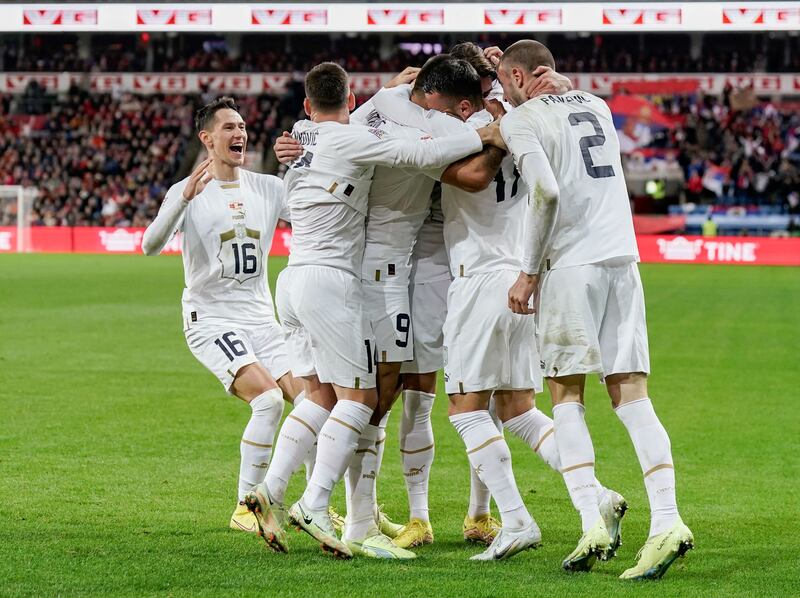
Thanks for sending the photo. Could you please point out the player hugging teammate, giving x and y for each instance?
(426, 236)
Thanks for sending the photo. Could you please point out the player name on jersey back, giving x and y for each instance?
(576, 132)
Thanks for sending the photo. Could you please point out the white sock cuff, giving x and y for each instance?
(519, 420)
(352, 415)
(623, 409)
(370, 433)
(568, 411)
(310, 415)
(301, 396)
(464, 422)
(267, 401)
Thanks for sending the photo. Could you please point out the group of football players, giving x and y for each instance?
(471, 216)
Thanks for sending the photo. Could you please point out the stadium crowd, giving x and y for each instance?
(732, 154)
(623, 53)
(97, 159)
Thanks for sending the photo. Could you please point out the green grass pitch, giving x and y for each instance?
(119, 452)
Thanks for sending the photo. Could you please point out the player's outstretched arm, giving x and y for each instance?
(377, 148)
(167, 222)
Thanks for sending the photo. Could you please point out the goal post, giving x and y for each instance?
(16, 208)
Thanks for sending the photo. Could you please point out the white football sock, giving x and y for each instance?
(536, 429)
(359, 482)
(336, 445)
(577, 460)
(652, 445)
(257, 439)
(417, 450)
(479, 495)
(311, 456)
(490, 457)
(296, 439)
(380, 446)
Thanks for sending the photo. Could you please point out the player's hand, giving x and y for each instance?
(494, 54)
(546, 80)
(287, 148)
(495, 108)
(198, 180)
(490, 135)
(408, 75)
(519, 295)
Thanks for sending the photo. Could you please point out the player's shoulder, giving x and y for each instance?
(177, 188)
(265, 184)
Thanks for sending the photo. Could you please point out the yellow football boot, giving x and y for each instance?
(386, 525)
(594, 543)
(336, 519)
(660, 551)
(481, 529)
(269, 526)
(414, 533)
(243, 520)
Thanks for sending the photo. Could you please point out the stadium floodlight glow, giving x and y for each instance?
(401, 17)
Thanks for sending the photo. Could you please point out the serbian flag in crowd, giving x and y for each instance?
(637, 119)
(714, 178)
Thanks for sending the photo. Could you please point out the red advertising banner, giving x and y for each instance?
(652, 248)
(719, 250)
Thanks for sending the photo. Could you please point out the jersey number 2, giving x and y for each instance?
(598, 139)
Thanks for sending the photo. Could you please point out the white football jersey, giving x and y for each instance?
(429, 261)
(227, 234)
(483, 230)
(327, 188)
(398, 204)
(576, 133)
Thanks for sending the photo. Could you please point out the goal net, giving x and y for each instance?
(16, 207)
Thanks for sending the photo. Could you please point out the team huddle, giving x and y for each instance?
(470, 217)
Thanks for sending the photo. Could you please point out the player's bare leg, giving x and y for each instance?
(417, 452)
(577, 466)
(490, 458)
(669, 538)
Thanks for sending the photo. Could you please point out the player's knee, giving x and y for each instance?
(626, 387)
(251, 381)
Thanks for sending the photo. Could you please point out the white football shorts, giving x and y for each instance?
(328, 332)
(486, 345)
(225, 348)
(388, 308)
(428, 312)
(592, 320)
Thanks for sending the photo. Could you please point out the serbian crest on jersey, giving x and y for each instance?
(240, 252)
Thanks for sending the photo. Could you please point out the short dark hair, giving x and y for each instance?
(452, 77)
(472, 53)
(206, 114)
(327, 87)
(528, 54)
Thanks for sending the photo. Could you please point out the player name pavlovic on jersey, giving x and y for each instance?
(227, 233)
(327, 188)
(576, 133)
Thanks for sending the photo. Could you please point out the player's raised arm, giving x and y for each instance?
(167, 222)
